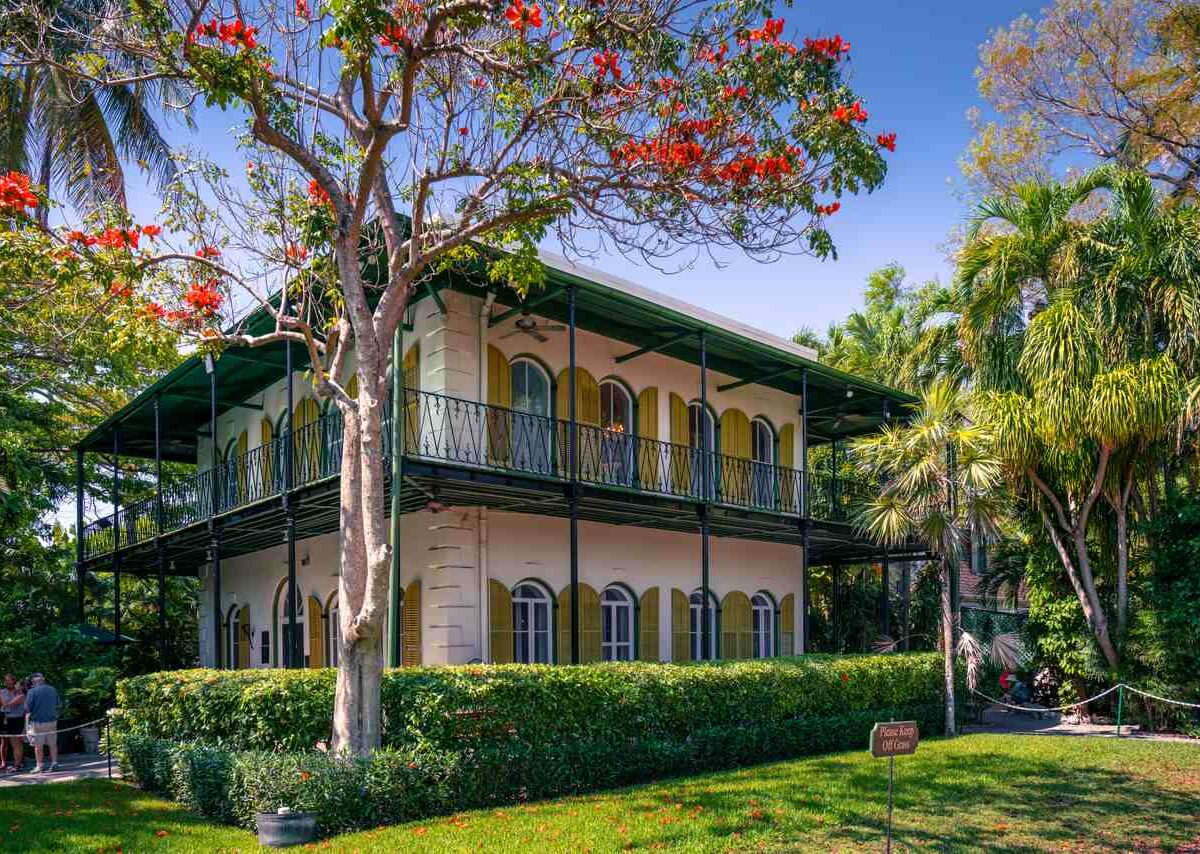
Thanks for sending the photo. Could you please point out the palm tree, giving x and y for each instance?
(940, 481)
(73, 134)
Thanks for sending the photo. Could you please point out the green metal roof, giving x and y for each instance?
(840, 405)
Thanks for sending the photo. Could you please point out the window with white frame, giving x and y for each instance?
(763, 637)
(233, 638)
(531, 424)
(696, 609)
(616, 423)
(702, 440)
(286, 630)
(531, 624)
(616, 634)
(334, 633)
(762, 448)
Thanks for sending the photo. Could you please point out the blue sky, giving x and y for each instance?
(914, 66)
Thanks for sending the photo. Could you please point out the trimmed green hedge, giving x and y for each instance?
(233, 743)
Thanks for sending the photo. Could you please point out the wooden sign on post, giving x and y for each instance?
(894, 739)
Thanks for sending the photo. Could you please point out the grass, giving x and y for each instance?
(1001, 793)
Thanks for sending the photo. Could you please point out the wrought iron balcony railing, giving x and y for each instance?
(466, 433)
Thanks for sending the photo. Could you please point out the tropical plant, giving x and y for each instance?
(73, 131)
(940, 481)
(1079, 320)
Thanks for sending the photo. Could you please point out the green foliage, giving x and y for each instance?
(459, 737)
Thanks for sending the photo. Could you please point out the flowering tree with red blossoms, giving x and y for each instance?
(387, 142)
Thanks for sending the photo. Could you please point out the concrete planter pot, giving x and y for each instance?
(285, 828)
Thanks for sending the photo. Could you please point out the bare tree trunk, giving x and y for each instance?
(947, 640)
(1122, 569)
(1094, 611)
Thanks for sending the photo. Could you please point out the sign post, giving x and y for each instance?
(892, 739)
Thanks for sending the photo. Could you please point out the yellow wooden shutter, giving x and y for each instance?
(316, 634)
(681, 648)
(499, 419)
(736, 626)
(648, 464)
(789, 482)
(412, 398)
(587, 411)
(306, 440)
(735, 443)
(787, 625)
(681, 456)
(648, 626)
(243, 638)
(267, 456)
(352, 387)
(410, 626)
(500, 622)
(589, 625)
(240, 462)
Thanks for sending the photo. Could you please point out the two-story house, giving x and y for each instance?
(670, 514)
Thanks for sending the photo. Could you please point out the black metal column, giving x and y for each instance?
(805, 592)
(295, 651)
(835, 499)
(835, 610)
(706, 494)
(79, 574)
(158, 548)
(804, 479)
(905, 599)
(395, 655)
(805, 581)
(214, 539)
(885, 596)
(573, 452)
(116, 556)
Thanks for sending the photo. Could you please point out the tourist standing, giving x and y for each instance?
(12, 721)
(41, 704)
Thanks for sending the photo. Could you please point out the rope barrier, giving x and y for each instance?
(1076, 705)
(68, 729)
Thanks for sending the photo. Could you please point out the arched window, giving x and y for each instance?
(616, 618)
(285, 630)
(532, 427)
(763, 638)
(616, 434)
(531, 624)
(333, 630)
(696, 615)
(762, 452)
(237, 637)
(701, 435)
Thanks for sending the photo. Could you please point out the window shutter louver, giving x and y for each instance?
(789, 485)
(316, 633)
(787, 625)
(648, 626)
(681, 456)
(267, 434)
(500, 622)
(735, 442)
(411, 377)
(410, 626)
(589, 625)
(499, 420)
(680, 628)
(648, 465)
(736, 625)
(587, 412)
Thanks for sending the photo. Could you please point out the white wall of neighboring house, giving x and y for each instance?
(454, 553)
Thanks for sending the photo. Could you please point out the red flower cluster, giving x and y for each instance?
(394, 37)
(731, 92)
(740, 171)
(154, 311)
(208, 251)
(607, 61)
(832, 49)
(16, 193)
(768, 33)
(716, 57)
(317, 194)
(295, 252)
(120, 289)
(302, 9)
(152, 231)
(886, 140)
(234, 34)
(827, 210)
(853, 113)
(116, 238)
(521, 17)
(203, 297)
(665, 153)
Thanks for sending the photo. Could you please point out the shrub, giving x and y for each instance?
(461, 737)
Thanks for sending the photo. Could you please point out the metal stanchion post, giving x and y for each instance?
(108, 746)
(1120, 706)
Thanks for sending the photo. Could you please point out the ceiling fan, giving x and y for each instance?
(528, 325)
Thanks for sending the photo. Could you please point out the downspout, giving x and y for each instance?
(481, 559)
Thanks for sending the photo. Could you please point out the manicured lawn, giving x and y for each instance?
(1002, 793)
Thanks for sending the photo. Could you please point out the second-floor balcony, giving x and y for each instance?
(466, 434)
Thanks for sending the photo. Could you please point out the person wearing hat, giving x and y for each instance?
(41, 713)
